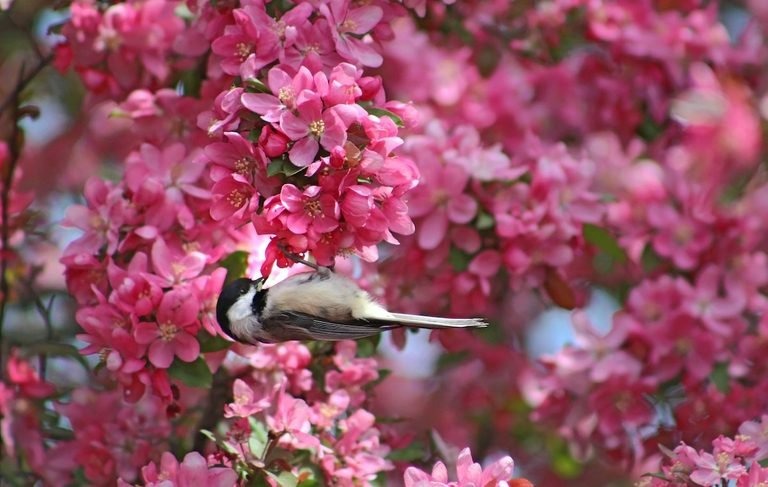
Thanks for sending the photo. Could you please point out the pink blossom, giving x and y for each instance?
(717, 313)
(311, 128)
(291, 416)
(174, 266)
(231, 197)
(757, 432)
(173, 332)
(313, 48)
(468, 473)
(110, 334)
(285, 92)
(26, 379)
(100, 220)
(307, 209)
(351, 23)
(134, 290)
(757, 475)
(678, 237)
(246, 401)
(242, 41)
(709, 469)
(207, 290)
(193, 470)
(440, 199)
(235, 156)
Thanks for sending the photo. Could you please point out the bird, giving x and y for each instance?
(318, 305)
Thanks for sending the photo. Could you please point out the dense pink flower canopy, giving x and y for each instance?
(510, 160)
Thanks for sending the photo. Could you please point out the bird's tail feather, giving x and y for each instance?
(434, 322)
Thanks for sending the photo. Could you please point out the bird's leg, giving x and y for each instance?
(297, 259)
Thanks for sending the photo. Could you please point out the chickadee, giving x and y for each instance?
(319, 305)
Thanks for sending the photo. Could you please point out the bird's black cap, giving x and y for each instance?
(229, 294)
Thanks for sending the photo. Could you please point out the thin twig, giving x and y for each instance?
(295, 257)
(26, 32)
(5, 195)
(12, 101)
(24, 80)
(45, 313)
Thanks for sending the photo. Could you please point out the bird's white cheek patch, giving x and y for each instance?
(242, 307)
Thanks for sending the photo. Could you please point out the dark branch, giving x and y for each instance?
(24, 80)
(13, 103)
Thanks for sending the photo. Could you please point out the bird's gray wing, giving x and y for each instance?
(300, 326)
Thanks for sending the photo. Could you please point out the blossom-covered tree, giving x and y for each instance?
(474, 158)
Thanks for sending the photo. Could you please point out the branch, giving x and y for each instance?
(12, 102)
(24, 80)
(45, 313)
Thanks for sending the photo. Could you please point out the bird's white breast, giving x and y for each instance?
(242, 321)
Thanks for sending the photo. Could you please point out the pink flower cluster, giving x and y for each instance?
(22, 393)
(279, 407)
(141, 313)
(125, 437)
(341, 189)
(731, 461)
(700, 330)
(480, 213)
(303, 147)
(571, 144)
(468, 473)
(652, 159)
(193, 470)
(123, 46)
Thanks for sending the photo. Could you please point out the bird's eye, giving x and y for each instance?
(243, 290)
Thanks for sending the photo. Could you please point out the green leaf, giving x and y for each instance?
(254, 134)
(666, 451)
(380, 112)
(275, 167)
(484, 221)
(284, 479)
(208, 434)
(281, 166)
(720, 378)
(236, 264)
(451, 359)
(603, 263)
(221, 444)
(291, 170)
(210, 343)
(603, 240)
(459, 260)
(564, 464)
(649, 129)
(259, 437)
(309, 482)
(182, 11)
(192, 374)
(58, 433)
(367, 347)
(255, 85)
(650, 260)
(412, 452)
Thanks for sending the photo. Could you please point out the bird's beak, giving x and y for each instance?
(258, 283)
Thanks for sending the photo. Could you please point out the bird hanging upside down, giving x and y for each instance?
(318, 305)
